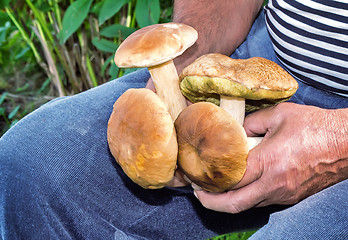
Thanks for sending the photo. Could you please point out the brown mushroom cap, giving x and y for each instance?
(255, 78)
(142, 138)
(213, 147)
(155, 44)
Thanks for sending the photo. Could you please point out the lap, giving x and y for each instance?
(59, 177)
(57, 172)
(322, 215)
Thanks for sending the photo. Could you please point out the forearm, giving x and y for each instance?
(222, 25)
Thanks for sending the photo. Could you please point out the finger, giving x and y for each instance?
(234, 201)
(179, 180)
(150, 85)
(258, 123)
(255, 167)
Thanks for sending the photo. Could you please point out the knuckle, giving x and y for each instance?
(234, 208)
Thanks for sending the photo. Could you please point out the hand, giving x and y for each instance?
(179, 180)
(305, 149)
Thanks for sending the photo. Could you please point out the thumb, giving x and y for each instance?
(259, 122)
(254, 167)
(255, 124)
(233, 201)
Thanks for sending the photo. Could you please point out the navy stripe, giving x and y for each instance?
(315, 62)
(308, 59)
(306, 46)
(319, 85)
(310, 80)
(309, 21)
(332, 3)
(305, 33)
(318, 12)
(334, 73)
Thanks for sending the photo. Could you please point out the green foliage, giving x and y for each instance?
(147, 12)
(73, 41)
(117, 30)
(234, 236)
(4, 3)
(52, 48)
(73, 18)
(109, 8)
(13, 50)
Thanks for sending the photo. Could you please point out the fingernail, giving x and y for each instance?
(196, 187)
(195, 193)
(187, 179)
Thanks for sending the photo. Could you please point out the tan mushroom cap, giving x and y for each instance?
(213, 147)
(142, 138)
(255, 78)
(155, 44)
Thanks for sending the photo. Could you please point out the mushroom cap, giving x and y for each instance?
(213, 147)
(154, 45)
(142, 138)
(255, 78)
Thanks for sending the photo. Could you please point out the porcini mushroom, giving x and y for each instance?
(142, 138)
(141, 134)
(229, 82)
(154, 47)
(213, 146)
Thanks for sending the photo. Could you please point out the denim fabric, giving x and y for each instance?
(58, 180)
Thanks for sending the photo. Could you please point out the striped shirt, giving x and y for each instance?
(310, 38)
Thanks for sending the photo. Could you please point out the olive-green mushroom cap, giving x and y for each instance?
(254, 79)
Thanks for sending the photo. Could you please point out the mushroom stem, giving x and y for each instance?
(235, 106)
(166, 81)
(253, 142)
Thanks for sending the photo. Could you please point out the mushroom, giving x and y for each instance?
(213, 146)
(155, 47)
(229, 82)
(141, 134)
(142, 138)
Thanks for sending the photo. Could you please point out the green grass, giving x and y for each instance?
(234, 236)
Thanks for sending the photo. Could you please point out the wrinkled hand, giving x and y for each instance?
(305, 149)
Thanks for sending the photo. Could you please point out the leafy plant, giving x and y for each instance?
(74, 41)
(234, 236)
(59, 47)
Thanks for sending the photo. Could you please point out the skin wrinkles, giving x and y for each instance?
(303, 152)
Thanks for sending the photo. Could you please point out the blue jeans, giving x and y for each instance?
(58, 179)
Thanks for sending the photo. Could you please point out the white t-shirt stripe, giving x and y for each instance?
(310, 37)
